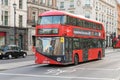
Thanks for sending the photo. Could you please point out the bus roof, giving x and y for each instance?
(56, 12)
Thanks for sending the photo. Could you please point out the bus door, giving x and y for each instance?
(68, 49)
(85, 48)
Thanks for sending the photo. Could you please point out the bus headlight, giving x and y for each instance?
(59, 59)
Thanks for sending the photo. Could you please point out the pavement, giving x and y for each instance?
(31, 62)
(30, 53)
(15, 65)
(110, 50)
(107, 50)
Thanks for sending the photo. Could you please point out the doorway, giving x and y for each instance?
(20, 41)
(68, 49)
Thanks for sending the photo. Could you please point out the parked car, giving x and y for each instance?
(11, 51)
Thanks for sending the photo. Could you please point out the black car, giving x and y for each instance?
(11, 51)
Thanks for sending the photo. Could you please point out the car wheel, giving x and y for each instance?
(1, 57)
(9, 56)
(24, 55)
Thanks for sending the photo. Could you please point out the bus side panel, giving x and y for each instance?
(93, 53)
(118, 44)
(41, 59)
(79, 53)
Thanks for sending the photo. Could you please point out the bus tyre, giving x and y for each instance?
(76, 59)
(99, 56)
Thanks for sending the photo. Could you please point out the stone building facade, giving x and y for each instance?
(36, 7)
(104, 11)
(118, 19)
(13, 20)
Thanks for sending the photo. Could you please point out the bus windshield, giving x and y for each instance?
(49, 46)
(43, 20)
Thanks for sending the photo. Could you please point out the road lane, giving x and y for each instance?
(47, 77)
(106, 69)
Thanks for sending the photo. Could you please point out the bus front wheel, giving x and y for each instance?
(99, 56)
(76, 59)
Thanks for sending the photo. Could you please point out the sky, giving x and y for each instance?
(119, 1)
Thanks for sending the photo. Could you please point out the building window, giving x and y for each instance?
(87, 14)
(20, 20)
(34, 17)
(33, 1)
(6, 18)
(20, 4)
(6, 2)
(96, 16)
(48, 2)
(42, 1)
(2, 17)
(61, 4)
(71, 11)
(87, 2)
(2, 2)
(71, 3)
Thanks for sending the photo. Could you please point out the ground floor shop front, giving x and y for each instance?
(8, 36)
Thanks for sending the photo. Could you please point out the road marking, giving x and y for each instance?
(48, 76)
(58, 71)
(78, 67)
(99, 69)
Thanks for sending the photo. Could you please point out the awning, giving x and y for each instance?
(2, 33)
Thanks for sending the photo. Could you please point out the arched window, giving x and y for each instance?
(87, 2)
(87, 14)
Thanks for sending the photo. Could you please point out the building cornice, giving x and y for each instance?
(107, 3)
(2, 26)
(21, 10)
(40, 6)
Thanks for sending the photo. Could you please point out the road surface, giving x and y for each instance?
(106, 69)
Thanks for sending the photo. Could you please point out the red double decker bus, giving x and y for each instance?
(116, 42)
(63, 38)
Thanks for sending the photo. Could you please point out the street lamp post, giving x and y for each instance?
(106, 34)
(14, 6)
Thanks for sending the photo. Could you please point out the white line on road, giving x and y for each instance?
(99, 69)
(58, 71)
(48, 76)
(71, 70)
